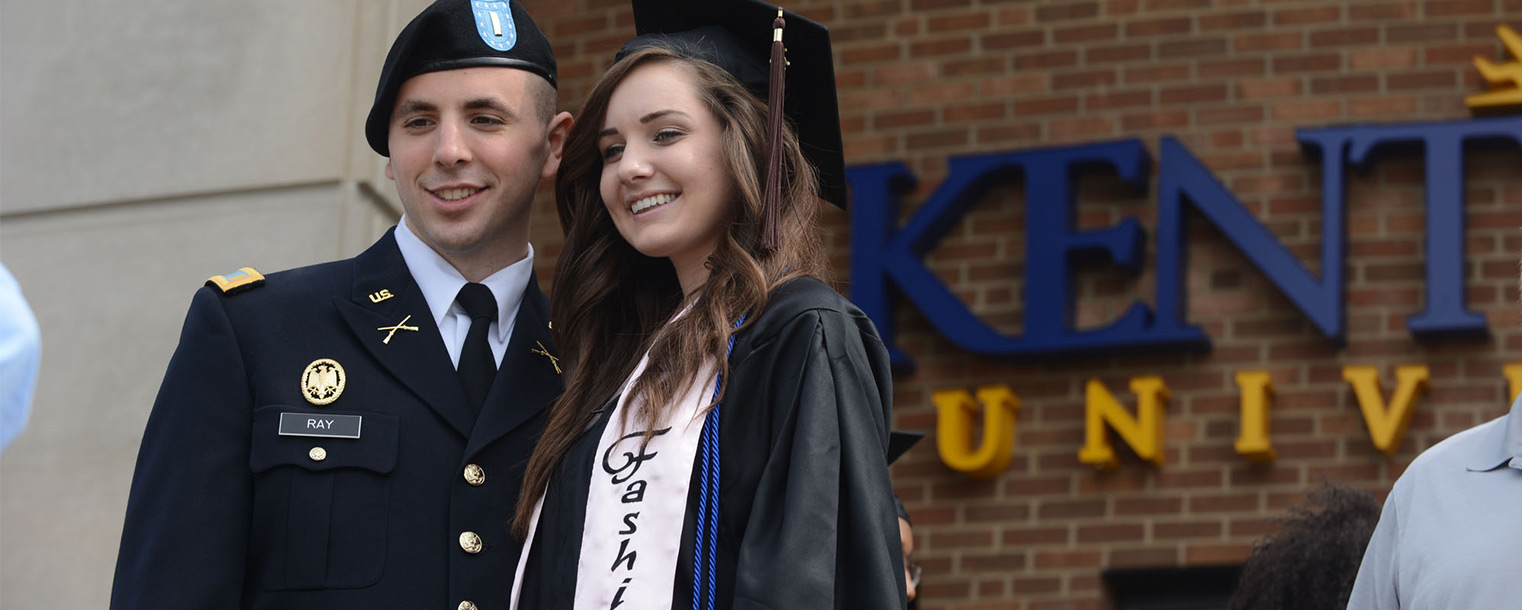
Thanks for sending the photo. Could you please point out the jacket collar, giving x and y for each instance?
(385, 295)
(440, 282)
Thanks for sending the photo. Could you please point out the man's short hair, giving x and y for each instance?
(545, 98)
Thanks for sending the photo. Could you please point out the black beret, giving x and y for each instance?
(453, 34)
(736, 35)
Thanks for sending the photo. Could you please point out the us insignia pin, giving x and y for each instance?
(322, 381)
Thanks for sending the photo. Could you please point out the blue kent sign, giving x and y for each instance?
(884, 255)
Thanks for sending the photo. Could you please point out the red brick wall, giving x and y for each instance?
(921, 80)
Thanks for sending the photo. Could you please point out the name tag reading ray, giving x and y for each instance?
(320, 425)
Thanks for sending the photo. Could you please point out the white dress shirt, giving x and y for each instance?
(441, 283)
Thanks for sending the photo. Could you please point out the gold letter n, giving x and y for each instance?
(1143, 433)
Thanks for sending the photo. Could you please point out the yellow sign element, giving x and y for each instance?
(322, 381)
(1253, 440)
(391, 330)
(1143, 433)
(380, 295)
(237, 281)
(955, 410)
(1505, 78)
(1387, 425)
(1513, 373)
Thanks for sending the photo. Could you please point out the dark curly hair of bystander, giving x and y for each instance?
(1311, 563)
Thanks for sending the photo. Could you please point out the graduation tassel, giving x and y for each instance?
(771, 202)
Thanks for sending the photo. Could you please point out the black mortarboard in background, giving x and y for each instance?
(899, 442)
(453, 34)
(736, 35)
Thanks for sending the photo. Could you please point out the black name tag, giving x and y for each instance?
(325, 426)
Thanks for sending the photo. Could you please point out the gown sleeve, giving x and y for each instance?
(822, 533)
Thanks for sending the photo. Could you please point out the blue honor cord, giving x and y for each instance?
(705, 575)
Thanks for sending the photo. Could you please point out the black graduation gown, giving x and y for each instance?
(806, 507)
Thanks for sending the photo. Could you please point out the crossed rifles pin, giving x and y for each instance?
(391, 332)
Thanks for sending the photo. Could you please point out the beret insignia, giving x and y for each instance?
(494, 22)
(439, 38)
(238, 281)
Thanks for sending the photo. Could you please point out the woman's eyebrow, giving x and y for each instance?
(644, 119)
(658, 114)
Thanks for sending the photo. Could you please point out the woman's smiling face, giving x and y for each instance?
(664, 177)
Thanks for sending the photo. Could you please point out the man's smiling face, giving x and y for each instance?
(468, 149)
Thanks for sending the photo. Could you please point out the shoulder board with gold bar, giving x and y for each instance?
(238, 281)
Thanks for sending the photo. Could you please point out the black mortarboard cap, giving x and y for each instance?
(736, 35)
(899, 442)
(453, 34)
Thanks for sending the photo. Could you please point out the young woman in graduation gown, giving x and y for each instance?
(721, 440)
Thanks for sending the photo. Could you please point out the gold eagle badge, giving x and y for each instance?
(323, 381)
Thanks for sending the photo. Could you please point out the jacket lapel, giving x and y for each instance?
(528, 379)
(415, 357)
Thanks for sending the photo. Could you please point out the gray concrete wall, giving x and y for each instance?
(145, 146)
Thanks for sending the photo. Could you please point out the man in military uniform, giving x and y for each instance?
(352, 434)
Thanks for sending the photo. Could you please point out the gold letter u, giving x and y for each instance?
(955, 410)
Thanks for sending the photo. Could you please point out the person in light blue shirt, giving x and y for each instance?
(1449, 531)
(20, 353)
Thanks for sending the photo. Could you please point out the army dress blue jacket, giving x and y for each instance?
(230, 508)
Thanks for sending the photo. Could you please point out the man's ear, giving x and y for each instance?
(560, 127)
(390, 175)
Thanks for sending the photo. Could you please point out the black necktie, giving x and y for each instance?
(477, 367)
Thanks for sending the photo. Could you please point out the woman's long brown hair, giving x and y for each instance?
(609, 300)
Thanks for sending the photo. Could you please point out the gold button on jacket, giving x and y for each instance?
(475, 475)
(318, 454)
(466, 605)
(470, 542)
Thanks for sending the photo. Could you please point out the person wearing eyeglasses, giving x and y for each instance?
(899, 443)
(912, 570)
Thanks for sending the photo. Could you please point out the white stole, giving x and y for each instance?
(636, 503)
